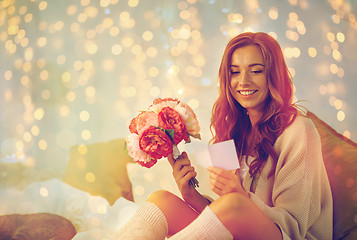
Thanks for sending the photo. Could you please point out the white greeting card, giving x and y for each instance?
(222, 155)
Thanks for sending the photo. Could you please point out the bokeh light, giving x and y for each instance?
(76, 73)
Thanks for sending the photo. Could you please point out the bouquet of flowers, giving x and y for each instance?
(155, 133)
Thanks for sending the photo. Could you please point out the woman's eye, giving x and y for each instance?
(257, 71)
(235, 72)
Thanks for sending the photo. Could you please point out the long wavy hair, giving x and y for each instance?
(231, 121)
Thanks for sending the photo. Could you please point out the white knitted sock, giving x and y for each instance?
(206, 226)
(148, 223)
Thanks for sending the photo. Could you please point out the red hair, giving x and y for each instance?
(230, 120)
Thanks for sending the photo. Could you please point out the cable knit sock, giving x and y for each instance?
(148, 223)
(206, 226)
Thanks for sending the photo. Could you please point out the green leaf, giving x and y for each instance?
(171, 133)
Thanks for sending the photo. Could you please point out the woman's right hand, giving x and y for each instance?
(183, 172)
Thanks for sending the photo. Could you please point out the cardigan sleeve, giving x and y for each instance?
(298, 198)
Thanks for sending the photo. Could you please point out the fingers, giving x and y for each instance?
(223, 181)
(171, 160)
(220, 172)
(185, 171)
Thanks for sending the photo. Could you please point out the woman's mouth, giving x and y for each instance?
(247, 92)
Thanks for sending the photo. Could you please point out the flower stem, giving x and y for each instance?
(177, 155)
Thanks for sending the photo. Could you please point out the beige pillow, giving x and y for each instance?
(100, 169)
(340, 157)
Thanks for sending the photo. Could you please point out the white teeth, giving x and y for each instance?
(246, 93)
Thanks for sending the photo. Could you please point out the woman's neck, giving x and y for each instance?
(254, 117)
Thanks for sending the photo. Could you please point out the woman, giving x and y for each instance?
(280, 192)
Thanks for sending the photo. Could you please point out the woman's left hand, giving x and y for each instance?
(225, 181)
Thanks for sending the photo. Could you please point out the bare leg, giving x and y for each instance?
(178, 213)
(243, 218)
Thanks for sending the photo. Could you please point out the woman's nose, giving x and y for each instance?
(245, 78)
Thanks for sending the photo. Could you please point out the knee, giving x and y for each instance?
(231, 204)
(163, 197)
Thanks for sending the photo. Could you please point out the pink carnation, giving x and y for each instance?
(189, 118)
(160, 103)
(134, 151)
(143, 121)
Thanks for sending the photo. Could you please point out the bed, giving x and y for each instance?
(101, 189)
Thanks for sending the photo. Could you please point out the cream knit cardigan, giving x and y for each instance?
(298, 197)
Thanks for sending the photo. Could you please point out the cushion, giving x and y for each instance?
(340, 157)
(36, 226)
(100, 169)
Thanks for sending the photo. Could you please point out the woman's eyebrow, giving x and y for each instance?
(250, 65)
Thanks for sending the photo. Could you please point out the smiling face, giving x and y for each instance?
(249, 85)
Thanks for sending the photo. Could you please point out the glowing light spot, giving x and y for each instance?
(27, 67)
(300, 26)
(330, 36)
(151, 52)
(8, 75)
(90, 177)
(44, 192)
(84, 116)
(46, 94)
(27, 137)
(86, 134)
(91, 47)
(336, 19)
(91, 11)
(337, 55)
(340, 72)
(102, 209)
(312, 52)
(19, 146)
(184, 33)
(61, 59)
(35, 130)
(341, 116)
(147, 35)
(184, 14)
(71, 96)
(127, 42)
(39, 113)
(293, 17)
(350, 182)
(333, 68)
(107, 22)
(8, 95)
(235, 17)
(153, 71)
(42, 144)
(71, 10)
(82, 149)
(133, 3)
(66, 77)
(347, 134)
(180, 91)
(292, 35)
(90, 91)
(273, 13)
(323, 90)
(114, 31)
(338, 104)
(43, 5)
(174, 70)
